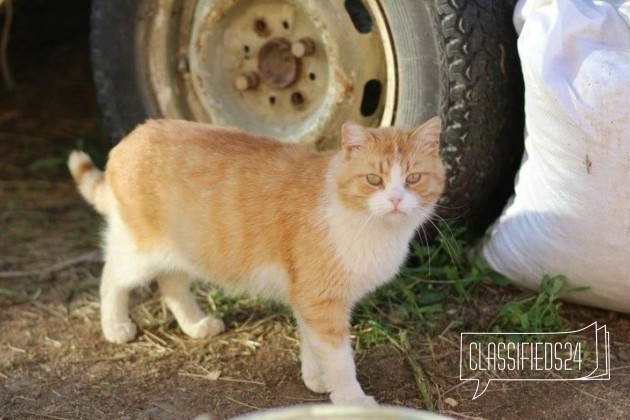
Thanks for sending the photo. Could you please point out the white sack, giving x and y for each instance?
(571, 211)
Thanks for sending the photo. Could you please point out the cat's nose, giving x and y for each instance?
(395, 201)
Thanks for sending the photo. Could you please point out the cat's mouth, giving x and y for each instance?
(397, 213)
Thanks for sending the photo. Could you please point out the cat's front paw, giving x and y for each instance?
(352, 400)
(206, 327)
(315, 383)
(121, 332)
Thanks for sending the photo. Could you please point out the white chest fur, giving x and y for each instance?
(372, 251)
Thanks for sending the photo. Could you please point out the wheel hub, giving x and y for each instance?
(291, 69)
(276, 63)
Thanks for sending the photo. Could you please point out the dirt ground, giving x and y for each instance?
(55, 364)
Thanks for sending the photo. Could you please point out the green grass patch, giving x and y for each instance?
(540, 312)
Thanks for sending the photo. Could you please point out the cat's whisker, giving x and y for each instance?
(422, 230)
(444, 207)
(370, 221)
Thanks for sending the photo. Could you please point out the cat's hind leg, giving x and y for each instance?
(116, 283)
(125, 267)
(175, 288)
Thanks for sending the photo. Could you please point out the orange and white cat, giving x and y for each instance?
(316, 230)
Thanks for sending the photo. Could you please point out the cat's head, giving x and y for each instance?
(391, 173)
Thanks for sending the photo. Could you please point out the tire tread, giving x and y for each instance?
(481, 77)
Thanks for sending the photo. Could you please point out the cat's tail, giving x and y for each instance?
(90, 180)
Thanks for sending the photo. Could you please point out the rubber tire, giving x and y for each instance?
(459, 56)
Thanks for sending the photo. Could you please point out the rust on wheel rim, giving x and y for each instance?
(292, 69)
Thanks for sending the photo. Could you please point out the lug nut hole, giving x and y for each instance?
(297, 98)
(272, 100)
(261, 28)
(311, 76)
(285, 24)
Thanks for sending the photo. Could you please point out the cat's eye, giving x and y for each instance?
(413, 178)
(374, 179)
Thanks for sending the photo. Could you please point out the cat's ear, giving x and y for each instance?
(428, 136)
(353, 137)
